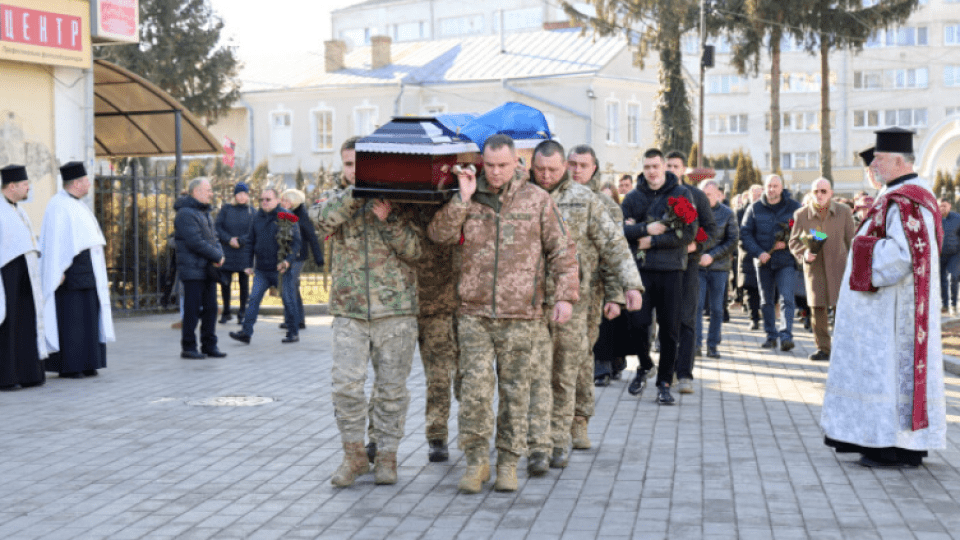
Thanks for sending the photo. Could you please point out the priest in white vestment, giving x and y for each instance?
(22, 347)
(884, 396)
(77, 315)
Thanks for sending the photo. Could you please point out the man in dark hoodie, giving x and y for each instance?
(265, 248)
(661, 256)
(199, 255)
(776, 270)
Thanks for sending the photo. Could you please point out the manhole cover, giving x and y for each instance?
(233, 401)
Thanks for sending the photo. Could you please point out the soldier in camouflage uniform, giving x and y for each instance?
(374, 303)
(509, 231)
(597, 239)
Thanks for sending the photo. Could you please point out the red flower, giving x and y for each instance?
(790, 224)
(701, 235)
(287, 217)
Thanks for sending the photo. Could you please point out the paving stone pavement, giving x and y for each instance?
(129, 455)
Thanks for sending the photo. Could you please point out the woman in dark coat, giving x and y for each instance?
(233, 226)
(293, 201)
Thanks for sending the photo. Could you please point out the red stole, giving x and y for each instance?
(909, 199)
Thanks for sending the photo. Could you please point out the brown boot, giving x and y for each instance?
(581, 441)
(385, 470)
(354, 464)
(506, 472)
(478, 472)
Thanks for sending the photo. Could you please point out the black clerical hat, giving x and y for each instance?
(72, 171)
(867, 156)
(894, 140)
(13, 173)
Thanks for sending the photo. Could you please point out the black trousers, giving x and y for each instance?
(199, 303)
(689, 295)
(226, 277)
(752, 295)
(663, 293)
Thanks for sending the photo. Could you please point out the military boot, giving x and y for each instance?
(438, 451)
(478, 472)
(506, 472)
(385, 470)
(538, 463)
(581, 441)
(354, 464)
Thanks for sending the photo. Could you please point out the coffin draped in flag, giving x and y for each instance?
(412, 158)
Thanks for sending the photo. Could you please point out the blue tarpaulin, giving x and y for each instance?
(514, 119)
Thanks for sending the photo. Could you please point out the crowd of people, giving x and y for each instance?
(535, 283)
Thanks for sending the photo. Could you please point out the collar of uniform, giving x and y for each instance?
(897, 181)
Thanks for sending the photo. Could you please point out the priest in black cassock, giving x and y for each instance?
(22, 346)
(77, 315)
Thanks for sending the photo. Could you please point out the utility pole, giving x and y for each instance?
(703, 69)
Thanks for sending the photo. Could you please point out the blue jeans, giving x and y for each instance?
(712, 283)
(263, 280)
(772, 282)
(294, 275)
(949, 265)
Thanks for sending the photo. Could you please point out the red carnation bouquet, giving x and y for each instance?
(783, 235)
(680, 212)
(285, 224)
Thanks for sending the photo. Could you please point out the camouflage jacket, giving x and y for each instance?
(438, 270)
(600, 241)
(605, 290)
(373, 272)
(507, 240)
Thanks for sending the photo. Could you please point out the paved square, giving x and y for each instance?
(135, 454)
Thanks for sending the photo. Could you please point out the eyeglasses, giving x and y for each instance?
(266, 199)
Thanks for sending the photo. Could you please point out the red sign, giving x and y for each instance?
(40, 28)
(119, 16)
(229, 149)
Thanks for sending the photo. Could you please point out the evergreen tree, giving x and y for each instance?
(743, 177)
(180, 52)
(939, 184)
(694, 157)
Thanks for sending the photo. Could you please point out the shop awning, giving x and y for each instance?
(135, 118)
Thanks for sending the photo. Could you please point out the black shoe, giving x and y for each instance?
(225, 318)
(90, 373)
(786, 345)
(538, 464)
(438, 451)
(303, 326)
(755, 325)
(240, 336)
(290, 339)
(616, 375)
(712, 352)
(560, 458)
(696, 352)
(819, 356)
(601, 381)
(770, 343)
(71, 375)
(214, 353)
(372, 451)
(192, 355)
(240, 320)
(864, 461)
(283, 326)
(726, 316)
(640, 381)
(663, 394)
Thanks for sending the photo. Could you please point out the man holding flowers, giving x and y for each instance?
(764, 233)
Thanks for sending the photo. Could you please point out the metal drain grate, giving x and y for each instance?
(233, 401)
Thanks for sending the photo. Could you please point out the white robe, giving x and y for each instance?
(869, 394)
(69, 227)
(16, 239)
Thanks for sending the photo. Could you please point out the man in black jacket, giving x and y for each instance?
(949, 257)
(199, 255)
(265, 248)
(715, 264)
(690, 286)
(661, 258)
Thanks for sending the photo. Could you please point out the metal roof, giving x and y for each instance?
(538, 53)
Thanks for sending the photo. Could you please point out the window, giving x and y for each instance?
(409, 31)
(907, 78)
(791, 83)
(868, 80)
(281, 132)
(951, 34)
(724, 123)
(613, 122)
(799, 160)
(321, 120)
(951, 75)
(904, 36)
(365, 120)
(952, 110)
(904, 118)
(726, 84)
(461, 26)
(866, 119)
(633, 123)
(690, 44)
(519, 19)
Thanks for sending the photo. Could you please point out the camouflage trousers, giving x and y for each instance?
(440, 354)
(388, 344)
(541, 393)
(494, 351)
(585, 396)
(569, 350)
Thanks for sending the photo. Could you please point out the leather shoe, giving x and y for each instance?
(786, 345)
(90, 373)
(601, 381)
(755, 325)
(240, 336)
(769, 344)
(192, 355)
(712, 352)
(820, 356)
(225, 318)
(71, 375)
(302, 326)
(290, 339)
(214, 353)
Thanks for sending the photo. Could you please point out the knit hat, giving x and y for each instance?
(240, 187)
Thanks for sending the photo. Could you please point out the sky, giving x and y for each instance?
(266, 31)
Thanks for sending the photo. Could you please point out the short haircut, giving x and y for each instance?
(626, 177)
(770, 177)
(349, 144)
(709, 182)
(582, 149)
(614, 194)
(195, 183)
(549, 148)
(266, 189)
(295, 196)
(908, 158)
(756, 186)
(676, 154)
(652, 153)
(498, 141)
